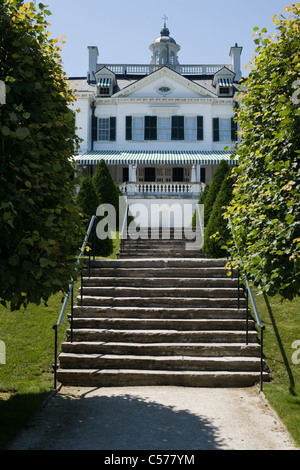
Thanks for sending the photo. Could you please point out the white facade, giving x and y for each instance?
(162, 124)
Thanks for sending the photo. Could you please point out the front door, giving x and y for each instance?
(149, 175)
(178, 175)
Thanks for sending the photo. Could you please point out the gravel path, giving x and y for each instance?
(155, 418)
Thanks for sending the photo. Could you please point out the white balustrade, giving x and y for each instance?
(162, 188)
(141, 69)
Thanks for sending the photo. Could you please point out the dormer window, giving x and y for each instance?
(106, 81)
(104, 86)
(223, 82)
(224, 87)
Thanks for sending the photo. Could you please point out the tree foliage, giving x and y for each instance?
(214, 188)
(265, 207)
(87, 198)
(39, 221)
(216, 233)
(201, 200)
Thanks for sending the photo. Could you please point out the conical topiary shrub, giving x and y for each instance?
(106, 192)
(86, 198)
(214, 188)
(200, 201)
(216, 233)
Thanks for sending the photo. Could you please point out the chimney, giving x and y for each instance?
(93, 56)
(235, 53)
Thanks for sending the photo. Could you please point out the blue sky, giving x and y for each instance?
(123, 30)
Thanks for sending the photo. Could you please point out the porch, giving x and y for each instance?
(160, 189)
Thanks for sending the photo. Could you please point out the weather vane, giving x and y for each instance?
(165, 18)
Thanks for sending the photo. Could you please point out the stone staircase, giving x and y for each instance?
(160, 321)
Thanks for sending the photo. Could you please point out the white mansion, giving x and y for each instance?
(161, 127)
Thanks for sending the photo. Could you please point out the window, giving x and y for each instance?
(163, 128)
(224, 90)
(224, 129)
(107, 128)
(190, 128)
(137, 128)
(103, 129)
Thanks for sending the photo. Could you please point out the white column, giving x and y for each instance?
(130, 173)
(133, 173)
(193, 176)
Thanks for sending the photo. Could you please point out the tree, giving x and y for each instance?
(106, 191)
(105, 187)
(216, 233)
(39, 221)
(87, 198)
(214, 188)
(265, 208)
(200, 201)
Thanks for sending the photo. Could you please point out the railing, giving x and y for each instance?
(123, 232)
(145, 69)
(249, 293)
(162, 188)
(66, 300)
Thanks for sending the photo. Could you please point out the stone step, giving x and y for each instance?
(147, 272)
(163, 349)
(186, 302)
(159, 263)
(110, 378)
(163, 336)
(153, 253)
(157, 312)
(119, 281)
(172, 363)
(158, 324)
(170, 292)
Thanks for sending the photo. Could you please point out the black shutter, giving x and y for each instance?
(94, 128)
(199, 127)
(233, 130)
(177, 128)
(112, 129)
(128, 127)
(216, 136)
(150, 132)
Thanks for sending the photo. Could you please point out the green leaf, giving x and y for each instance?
(14, 260)
(22, 133)
(5, 130)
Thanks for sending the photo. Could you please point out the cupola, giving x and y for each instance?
(164, 48)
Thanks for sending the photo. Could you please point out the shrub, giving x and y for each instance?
(216, 233)
(214, 188)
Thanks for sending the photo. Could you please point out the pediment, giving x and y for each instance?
(164, 83)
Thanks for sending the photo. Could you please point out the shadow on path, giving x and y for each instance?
(121, 422)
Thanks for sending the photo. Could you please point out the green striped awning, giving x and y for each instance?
(224, 81)
(104, 82)
(123, 157)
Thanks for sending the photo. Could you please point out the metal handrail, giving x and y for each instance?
(254, 306)
(124, 225)
(67, 297)
(200, 222)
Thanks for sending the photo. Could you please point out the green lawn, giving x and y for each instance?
(282, 323)
(27, 376)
